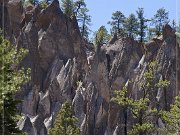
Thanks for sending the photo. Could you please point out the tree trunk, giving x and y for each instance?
(83, 27)
(125, 122)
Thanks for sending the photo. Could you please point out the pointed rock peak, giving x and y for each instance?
(55, 4)
(52, 9)
(168, 31)
(29, 8)
(113, 39)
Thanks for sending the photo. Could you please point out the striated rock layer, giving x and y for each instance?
(59, 58)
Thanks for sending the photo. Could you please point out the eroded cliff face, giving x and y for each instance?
(58, 58)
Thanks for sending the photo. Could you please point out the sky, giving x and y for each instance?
(101, 10)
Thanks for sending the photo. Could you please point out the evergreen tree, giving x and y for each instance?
(117, 22)
(44, 3)
(84, 21)
(139, 108)
(102, 36)
(65, 123)
(178, 27)
(131, 25)
(11, 80)
(78, 9)
(142, 24)
(78, 5)
(160, 19)
(172, 118)
(68, 7)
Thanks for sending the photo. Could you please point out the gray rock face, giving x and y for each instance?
(61, 71)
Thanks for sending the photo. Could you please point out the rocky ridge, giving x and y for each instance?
(58, 59)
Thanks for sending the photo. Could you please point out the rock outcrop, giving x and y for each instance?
(64, 69)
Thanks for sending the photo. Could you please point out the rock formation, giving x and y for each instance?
(58, 58)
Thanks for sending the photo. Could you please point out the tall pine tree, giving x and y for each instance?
(142, 24)
(131, 25)
(84, 21)
(65, 123)
(102, 36)
(117, 22)
(68, 7)
(78, 5)
(11, 80)
(160, 19)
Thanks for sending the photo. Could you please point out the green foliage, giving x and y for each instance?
(43, 4)
(172, 118)
(139, 108)
(131, 25)
(142, 24)
(117, 22)
(160, 19)
(78, 9)
(102, 36)
(146, 128)
(84, 21)
(65, 123)
(79, 4)
(68, 7)
(11, 80)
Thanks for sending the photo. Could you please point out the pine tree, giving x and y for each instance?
(160, 19)
(142, 24)
(131, 25)
(78, 5)
(172, 118)
(11, 80)
(84, 21)
(68, 7)
(117, 22)
(65, 123)
(139, 108)
(102, 36)
(44, 3)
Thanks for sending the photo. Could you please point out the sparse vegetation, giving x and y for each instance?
(65, 123)
(140, 109)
